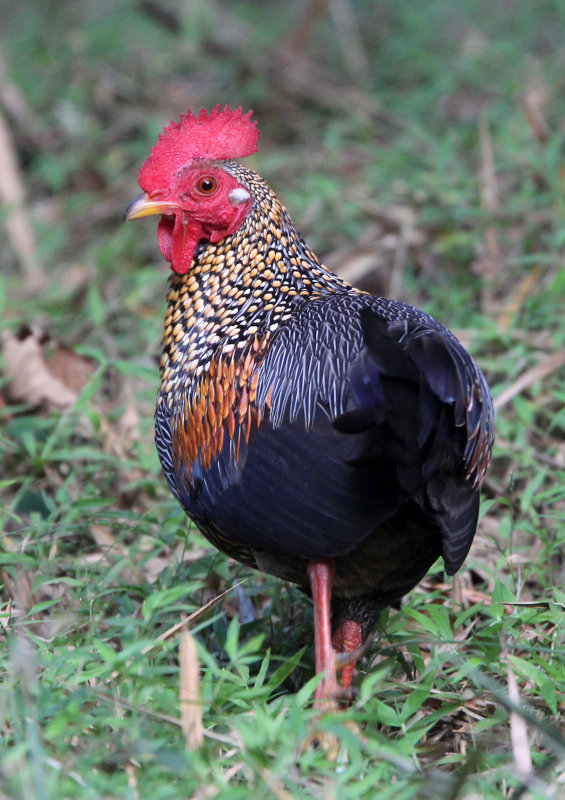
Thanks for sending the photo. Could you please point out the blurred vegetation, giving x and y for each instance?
(420, 148)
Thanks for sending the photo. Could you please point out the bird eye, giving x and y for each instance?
(207, 185)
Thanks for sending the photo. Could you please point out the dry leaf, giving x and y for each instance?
(190, 709)
(103, 536)
(518, 731)
(69, 367)
(33, 378)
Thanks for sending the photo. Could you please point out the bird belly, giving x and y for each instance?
(304, 494)
(385, 565)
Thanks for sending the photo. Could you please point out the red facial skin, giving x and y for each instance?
(198, 212)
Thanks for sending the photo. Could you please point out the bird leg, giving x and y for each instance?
(321, 574)
(347, 639)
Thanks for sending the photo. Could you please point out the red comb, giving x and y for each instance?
(220, 134)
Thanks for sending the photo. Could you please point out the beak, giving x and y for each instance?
(144, 206)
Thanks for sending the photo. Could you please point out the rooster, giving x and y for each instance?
(313, 431)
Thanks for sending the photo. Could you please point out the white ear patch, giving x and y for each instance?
(239, 196)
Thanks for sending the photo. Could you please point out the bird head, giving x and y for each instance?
(184, 180)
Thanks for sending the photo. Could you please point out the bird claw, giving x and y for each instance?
(346, 694)
(339, 698)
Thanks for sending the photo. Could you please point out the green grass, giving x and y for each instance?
(383, 153)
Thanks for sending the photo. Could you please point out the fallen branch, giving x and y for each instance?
(536, 373)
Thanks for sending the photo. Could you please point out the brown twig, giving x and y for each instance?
(489, 265)
(540, 371)
(533, 101)
(350, 40)
(517, 297)
(12, 195)
(26, 122)
(192, 618)
(309, 16)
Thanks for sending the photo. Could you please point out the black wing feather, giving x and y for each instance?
(368, 406)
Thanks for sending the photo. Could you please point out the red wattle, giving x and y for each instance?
(178, 240)
(165, 236)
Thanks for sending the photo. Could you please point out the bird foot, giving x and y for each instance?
(333, 654)
(330, 696)
(329, 743)
(322, 740)
(327, 695)
(349, 657)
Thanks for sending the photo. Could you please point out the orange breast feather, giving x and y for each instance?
(222, 409)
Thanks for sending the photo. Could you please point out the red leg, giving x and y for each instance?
(321, 574)
(348, 638)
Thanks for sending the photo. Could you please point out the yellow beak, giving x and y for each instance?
(144, 206)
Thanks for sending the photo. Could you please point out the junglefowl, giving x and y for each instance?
(313, 431)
